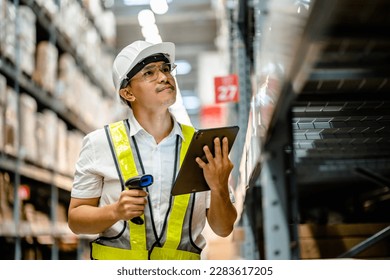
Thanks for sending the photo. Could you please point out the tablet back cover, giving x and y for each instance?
(190, 177)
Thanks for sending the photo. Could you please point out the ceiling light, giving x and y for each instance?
(159, 7)
(136, 2)
(149, 30)
(146, 17)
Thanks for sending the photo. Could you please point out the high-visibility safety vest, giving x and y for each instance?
(169, 251)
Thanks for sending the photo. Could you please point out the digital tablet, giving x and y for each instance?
(190, 177)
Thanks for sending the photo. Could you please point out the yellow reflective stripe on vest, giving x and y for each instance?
(123, 151)
(173, 254)
(124, 155)
(102, 252)
(180, 202)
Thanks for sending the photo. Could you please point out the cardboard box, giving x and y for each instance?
(28, 109)
(329, 241)
(45, 73)
(6, 197)
(3, 96)
(47, 138)
(3, 14)
(11, 124)
(61, 147)
(27, 37)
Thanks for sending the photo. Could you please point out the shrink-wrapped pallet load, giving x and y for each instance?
(11, 123)
(6, 197)
(61, 147)
(3, 4)
(8, 37)
(46, 137)
(3, 90)
(49, 6)
(66, 85)
(45, 73)
(28, 124)
(27, 39)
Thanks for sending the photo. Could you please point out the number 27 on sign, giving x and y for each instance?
(226, 89)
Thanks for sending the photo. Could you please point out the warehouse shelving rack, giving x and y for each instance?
(48, 183)
(322, 82)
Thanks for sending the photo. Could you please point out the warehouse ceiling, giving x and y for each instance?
(191, 25)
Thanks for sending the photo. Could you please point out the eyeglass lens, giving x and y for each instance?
(150, 73)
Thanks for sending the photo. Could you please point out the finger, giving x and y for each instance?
(138, 205)
(208, 153)
(225, 147)
(139, 201)
(130, 201)
(217, 148)
(136, 193)
(200, 162)
(135, 213)
(142, 193)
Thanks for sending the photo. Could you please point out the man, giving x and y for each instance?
(152, 142)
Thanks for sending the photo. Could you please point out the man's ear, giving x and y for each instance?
(127, 94)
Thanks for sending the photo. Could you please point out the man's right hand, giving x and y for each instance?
(131, 204)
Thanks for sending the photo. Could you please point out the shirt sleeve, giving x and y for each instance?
(87, 181)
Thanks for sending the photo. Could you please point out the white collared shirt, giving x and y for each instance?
(96, 176)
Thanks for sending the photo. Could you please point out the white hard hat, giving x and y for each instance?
(135, 53)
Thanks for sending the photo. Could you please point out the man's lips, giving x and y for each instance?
(165, 88)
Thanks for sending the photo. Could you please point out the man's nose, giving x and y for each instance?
(162, 75)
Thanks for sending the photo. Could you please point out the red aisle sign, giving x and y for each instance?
(226, 88)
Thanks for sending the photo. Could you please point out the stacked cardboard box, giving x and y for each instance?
(67, 76)
(47, 122)
(11, 124)
(83, 97)
(49, 6)
(27, 39)
(83, 35)
(39, 224)
(329, 241)
(8, 30)
(57, 147)
(3, 89)
(46, 140)
(18, 45)
(6, 197)
(28, 123)
(3, 21)
(61, 149)
(45, 72)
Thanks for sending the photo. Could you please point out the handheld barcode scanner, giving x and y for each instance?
(139, 182)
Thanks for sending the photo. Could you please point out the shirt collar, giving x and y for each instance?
(136, 128)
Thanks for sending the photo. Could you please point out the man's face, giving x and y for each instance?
(154, 86)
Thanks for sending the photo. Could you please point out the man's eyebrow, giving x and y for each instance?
(150, 66)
